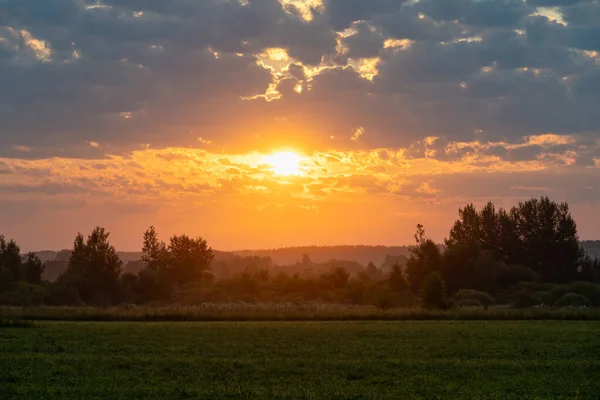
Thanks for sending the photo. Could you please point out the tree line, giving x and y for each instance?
(528, 255)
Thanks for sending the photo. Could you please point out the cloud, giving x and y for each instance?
(126, 74)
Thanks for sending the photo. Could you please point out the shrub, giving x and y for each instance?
(509, 275)
(588, 290)
(554, 293)
(24, 294)
(433, 292)
(387, 300)
(573, 300)
(484, 299)
(59, 294)
(468, 302)
(545, 298)
(525, 298)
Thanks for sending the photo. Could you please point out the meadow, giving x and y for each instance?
(302, 360)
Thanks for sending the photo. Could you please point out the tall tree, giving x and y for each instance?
(32, 269)
(154, 251)
(189, 259)
(10, 258)
(10, 264)
(549, 240)
(396, 279)
(508, 239)
(184, 261)
(433, 292)
(425, 258)
(467, 228)
(94, 268)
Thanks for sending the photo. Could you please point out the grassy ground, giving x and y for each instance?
(237, 311)
(309, 360)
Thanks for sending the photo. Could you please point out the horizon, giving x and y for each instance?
(276, 248)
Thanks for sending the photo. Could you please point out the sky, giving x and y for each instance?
(267, 123)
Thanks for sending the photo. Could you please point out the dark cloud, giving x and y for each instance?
(555, 3)
(343, 12)
(126, 74)
(569, 185)
(524, 153)
(365, 43)
(486, 13)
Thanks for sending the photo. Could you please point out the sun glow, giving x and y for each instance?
(284, 163)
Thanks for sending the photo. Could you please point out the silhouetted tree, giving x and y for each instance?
(154, 251)
(466, 229)
(94, 268)
(306, 259)
(128, 287)
(549, 241)
(337, 278)
(185, 261)
(32, 269)
(425, 257)
(10, 261)
(397, 281)
(189, 259)
(539, 234)
(373, 272)
(433, 292)
(155, 282)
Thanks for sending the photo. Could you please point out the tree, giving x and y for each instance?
(185, 261)
(94, 268)
(539, 234)
(508, 239)
(337, 278)
(467, 228)
(548, 238)
(128, 283)
(433, 292)
(32, 269)
(373, 272)
(189, 259)
(425, 257)
(154, 251)
(306, 259)
(10, 259)
(154, 280)
(396, 278)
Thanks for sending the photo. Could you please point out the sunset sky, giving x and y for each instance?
(266, 123)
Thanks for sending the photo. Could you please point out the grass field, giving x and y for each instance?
(309, 360)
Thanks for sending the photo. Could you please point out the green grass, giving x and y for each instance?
(302, 360)
(15, 323)
(238, 311)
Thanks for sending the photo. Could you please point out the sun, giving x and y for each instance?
(284, 163)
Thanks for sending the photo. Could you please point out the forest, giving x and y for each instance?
(527, 256)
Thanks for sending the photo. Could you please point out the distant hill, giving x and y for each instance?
(56, 262)
(282, 256)
(381, 256)
(360, 254)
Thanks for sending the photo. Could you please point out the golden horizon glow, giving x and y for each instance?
(284, 163)
(313, 192)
